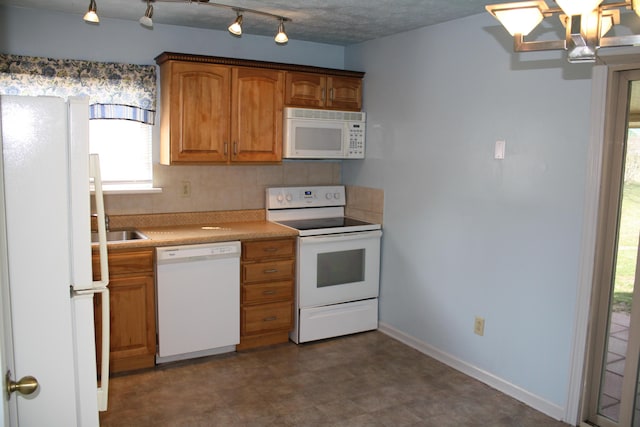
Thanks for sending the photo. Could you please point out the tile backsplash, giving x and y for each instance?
(220, 188)
(366, 204)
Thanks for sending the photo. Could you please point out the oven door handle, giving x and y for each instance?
(341, 237)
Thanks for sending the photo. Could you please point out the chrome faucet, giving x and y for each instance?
(106, 220)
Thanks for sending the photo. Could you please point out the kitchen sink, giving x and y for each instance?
(119, 236)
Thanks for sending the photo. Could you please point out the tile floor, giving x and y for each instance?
(366, 379)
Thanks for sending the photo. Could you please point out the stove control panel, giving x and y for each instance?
(305, 197)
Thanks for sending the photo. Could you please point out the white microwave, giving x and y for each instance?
(323, 134)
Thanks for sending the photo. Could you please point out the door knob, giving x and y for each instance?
(26, 385)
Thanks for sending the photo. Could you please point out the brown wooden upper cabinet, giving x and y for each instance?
(256, 115)
(215, 113)
(226, 110)
(312, 90)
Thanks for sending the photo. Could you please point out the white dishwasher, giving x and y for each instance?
(198, 300)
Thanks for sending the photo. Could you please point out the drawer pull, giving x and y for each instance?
(270, 319)
(269, 292)
(270, 249)
(272, 270)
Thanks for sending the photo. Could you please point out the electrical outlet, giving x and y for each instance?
(186, 189)
(478, 326)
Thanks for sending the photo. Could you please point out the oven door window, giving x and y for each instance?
(338, 268)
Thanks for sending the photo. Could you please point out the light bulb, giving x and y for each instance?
(92, 13)
(236, 27)
(281, 37)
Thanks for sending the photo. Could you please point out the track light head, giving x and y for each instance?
(148, 14)
(236, 27)
(281, 37)
(92, 13)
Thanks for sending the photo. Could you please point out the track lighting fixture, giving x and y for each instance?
(236, 27)
(586, 24)
(92, 13)
(281, 37)
(146, 19)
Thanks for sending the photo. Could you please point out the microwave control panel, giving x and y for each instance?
(355, 150)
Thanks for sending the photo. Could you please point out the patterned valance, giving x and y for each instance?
(115, 91)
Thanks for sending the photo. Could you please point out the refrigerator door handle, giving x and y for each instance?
(94, 172)
(100, 286)
(103, 389)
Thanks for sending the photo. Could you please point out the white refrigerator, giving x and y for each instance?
(46, 174)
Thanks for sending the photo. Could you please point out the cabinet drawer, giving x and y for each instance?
(259, 293)
(265, 249)
(267, 317)
(268, 271)
(125, 263)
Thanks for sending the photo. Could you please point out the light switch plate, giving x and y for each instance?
(499, 149)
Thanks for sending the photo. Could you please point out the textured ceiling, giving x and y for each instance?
(340, 22)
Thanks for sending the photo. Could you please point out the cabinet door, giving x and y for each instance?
(256, 115)
(198, 103)
(133, 323)
(305, 90)
(344, 93)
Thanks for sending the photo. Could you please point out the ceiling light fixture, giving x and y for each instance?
(236, 27)
(92, 13)
(148, 14)
(586, 22)
(281, 36)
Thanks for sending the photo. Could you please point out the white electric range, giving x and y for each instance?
(338, 262)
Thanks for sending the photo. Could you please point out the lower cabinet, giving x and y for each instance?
(132, 310)
(268, 274)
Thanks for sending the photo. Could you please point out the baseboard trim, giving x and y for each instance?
(532, 400)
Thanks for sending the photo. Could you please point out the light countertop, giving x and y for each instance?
(208, 231)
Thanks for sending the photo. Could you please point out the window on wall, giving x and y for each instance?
(124, 147)
(122, 101)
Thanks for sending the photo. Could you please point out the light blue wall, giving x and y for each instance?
(58, 35)
(467, 235)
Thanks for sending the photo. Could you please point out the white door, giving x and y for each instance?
(9, 410)
(34, 153)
